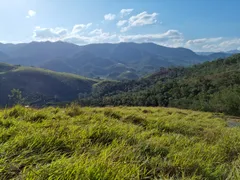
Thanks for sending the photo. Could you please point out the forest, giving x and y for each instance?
(211, 86)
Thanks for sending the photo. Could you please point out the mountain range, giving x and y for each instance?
(111, 61)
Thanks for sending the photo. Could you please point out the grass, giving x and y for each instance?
(117, 143)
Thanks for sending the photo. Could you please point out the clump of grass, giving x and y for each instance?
(16, 112)
(146, 111)
(110, 113)
(74, 110)
(37, 117)
(135, 120)
(6, 123)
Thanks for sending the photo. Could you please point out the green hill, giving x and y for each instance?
(39, 86)
(211, 86)
(6, 67)
(117, 143)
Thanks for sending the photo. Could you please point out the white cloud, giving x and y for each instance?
(171, 38)
(49, 33)
(80, 27)
(125, 12)
(213, 44)
(31, 13)
(121, 23)
(203, 40)
(57, 34)
(230, 43)
(95, 38)
(140, 20)
(96, 31)
(109, 17)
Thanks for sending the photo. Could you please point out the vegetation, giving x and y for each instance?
(5, 67)
(39, 87)
(117, 143)
(211, 86)
(15, 97)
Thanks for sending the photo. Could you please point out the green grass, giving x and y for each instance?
(117, 143)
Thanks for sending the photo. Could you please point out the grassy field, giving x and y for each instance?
(117, 143)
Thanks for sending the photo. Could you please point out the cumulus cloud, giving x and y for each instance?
(96, 31)
(171, 38)
(213, 44)
(49, 33)
(109, 17)
(31, 13)
(56, 34)
(230, 43)
(125, 12)
(95, 38)
(80, 27)
(203, 41)
(140, 20)
(121, 23)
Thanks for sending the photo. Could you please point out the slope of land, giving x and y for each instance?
(40, 86)
(116, 143)
(211, 86)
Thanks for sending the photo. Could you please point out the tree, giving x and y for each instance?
(16, 97)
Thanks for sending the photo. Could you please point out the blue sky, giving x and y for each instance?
(201, 25)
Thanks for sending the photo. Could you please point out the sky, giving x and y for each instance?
(200, 25)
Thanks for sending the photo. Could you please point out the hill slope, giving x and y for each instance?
(211, 86)
(41, 86)
(116, 143)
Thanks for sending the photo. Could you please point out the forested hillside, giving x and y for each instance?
(211, 86)
(34, 86)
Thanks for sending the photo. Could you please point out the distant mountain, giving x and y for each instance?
(36, 53)
(219, 54)
(234, 51)
(3, 56)
(40, 86)
(134, 53)
(204, 53)
(102, 60)
(7, 48)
